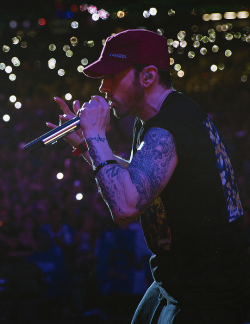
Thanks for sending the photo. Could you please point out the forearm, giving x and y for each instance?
(114, 181)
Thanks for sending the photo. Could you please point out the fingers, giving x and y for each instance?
(99, 99)
(63, 106)
(76, 106)
(50, 125)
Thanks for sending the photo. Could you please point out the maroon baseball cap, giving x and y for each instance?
(132, 46)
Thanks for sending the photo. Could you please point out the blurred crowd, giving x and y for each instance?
(51, 243)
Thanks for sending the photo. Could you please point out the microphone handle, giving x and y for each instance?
(54, 135)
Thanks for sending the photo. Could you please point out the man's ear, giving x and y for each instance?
(150, 73)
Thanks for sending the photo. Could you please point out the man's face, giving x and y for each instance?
(124, 92)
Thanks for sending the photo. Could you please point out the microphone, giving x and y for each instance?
(53, 135)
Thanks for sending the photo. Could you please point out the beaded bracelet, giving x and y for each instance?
(102, 164)
(80, 149)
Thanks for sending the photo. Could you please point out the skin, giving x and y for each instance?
(128, 188)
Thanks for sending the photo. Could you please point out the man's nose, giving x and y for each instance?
(105, 85)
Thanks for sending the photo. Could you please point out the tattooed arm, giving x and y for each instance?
(128, 192)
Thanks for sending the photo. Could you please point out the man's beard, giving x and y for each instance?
(129, 105)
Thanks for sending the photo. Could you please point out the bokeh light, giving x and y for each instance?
(69, 53)
(52, 47)
(74, 24)
(79, 196)
(13, 24)
(12, 77)
(41, 21)
(80, 68)
(92, 9)
(153, 11)
(6, 117)
(171, 12)
(2, 66)
(221, 66)
(203, 51)
(213, 68)
(95, 17)
(6, 48)
(60, 175)
(8, 69)
(177, 67)
(66, 48)
(84, 61)
(18, 105)
(180, 74)
(15, 40)
(12, 98)
(230, 15)
(68, 96)
(90, 43)
(215, 48)
(120, 14)
(191, 54)
(61, 72)
(146, 14)
(73, 41)
(228, 53)
(74, 8)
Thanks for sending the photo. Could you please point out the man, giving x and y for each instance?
(179, 180)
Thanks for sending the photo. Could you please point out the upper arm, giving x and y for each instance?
(153, 165)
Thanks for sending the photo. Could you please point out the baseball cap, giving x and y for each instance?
(132, 46)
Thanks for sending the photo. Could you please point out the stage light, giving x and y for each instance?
(74, 24)
(80, 68)
(170, 41)
(228, 53)
(79, 196)
(69, 53)
(91, 43)
(41, 21)
(230, 15)
(160, 31)
(206, 17)
(177, 67)
(60, 175)
(92, 9)
(13, 24)
(242, 14)
(15, 61)
(153, 11)
(18, 105)
(213, 68)
(120, 14)
(8, 69)
(196, 44)
(61, 72)
(229, 36)
(15, 40)
(6, 48)
(68, 96)
(6, 118)
(95, 17)
(103, 14)
(203, 50)
(52, 47)
(84, 61)
(191, 54)
(66, 48)
(215, 48)
(73, 41)
(83, 7)
(180, 74)
(12, 77)
(181, 35)
(171, 12)
(183, 44)
(216, 16)
(176, 44)
(12, 98)
(74, 8)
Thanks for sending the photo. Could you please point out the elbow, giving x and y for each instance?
(125, 218)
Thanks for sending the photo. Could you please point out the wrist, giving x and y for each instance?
(80, 149)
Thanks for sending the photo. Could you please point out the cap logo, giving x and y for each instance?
(118, 55)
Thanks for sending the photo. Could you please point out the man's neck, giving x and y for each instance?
(153, 103)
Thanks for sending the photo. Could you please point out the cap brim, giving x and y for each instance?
(100, 68)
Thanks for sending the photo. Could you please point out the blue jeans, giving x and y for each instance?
(155, 309)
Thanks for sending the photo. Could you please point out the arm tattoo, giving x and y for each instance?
(92, 150)
(150, 165)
